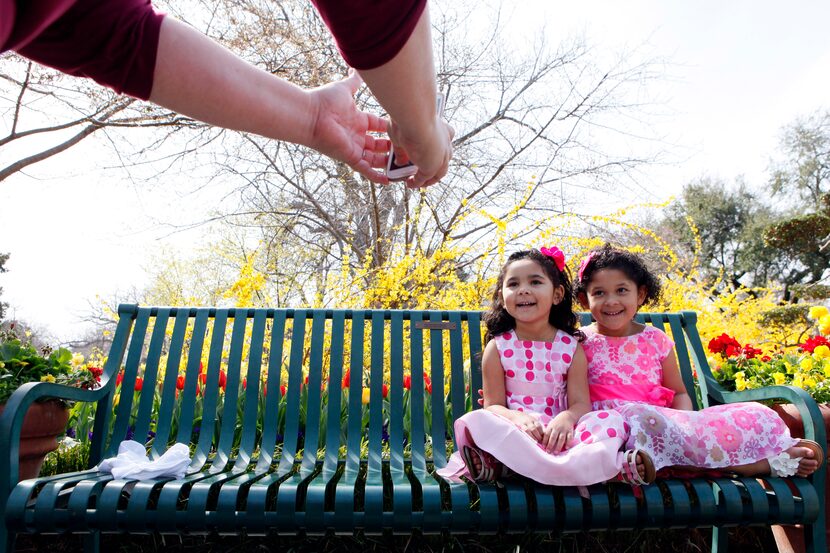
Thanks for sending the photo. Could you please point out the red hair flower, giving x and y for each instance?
(556, 254)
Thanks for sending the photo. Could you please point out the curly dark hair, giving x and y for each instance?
(562, 315)
(611, 257)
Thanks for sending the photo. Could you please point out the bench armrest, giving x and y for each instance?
(11, 421)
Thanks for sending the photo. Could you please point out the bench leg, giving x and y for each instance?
(7, 540)
(720, 539)
(92, 542)
(815, 538)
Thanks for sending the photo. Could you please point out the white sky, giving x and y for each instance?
(739, 71)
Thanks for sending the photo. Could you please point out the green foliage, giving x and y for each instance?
(71, 456)
(3, 306)
(725, 235)
(22, 362)
(811, 292)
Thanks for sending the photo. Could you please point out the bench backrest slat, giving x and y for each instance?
(210, 397)
(191, 377)
(396, 406)
(272, 396)
(292, 431)
(438, 431)
(338, 329)
(164, 424)
(141, 426)
(248, 444)
(315, 382)
(131, 366)
(355, 411)
(417, 432)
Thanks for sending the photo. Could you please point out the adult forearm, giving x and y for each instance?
(405, 86)
(199, 78)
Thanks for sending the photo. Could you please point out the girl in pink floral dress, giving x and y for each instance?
(632, 368)
(536, 420)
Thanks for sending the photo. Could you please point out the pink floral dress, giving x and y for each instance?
(715, 437)
(536, 376)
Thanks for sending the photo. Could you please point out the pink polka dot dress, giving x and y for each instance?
(536, 376)
(715, 437)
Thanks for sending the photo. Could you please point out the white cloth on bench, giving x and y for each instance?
(132, 462)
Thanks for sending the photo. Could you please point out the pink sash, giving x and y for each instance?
(648, 393)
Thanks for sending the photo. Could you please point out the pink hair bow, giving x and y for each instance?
(555, 254)
(584, 265)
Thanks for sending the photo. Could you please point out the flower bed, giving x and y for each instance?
(745, 367)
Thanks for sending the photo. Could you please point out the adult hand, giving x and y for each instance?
(342, 132)
(431, 155)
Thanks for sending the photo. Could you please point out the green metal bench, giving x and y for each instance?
(268, 460)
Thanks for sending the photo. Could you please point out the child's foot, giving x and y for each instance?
(637, 468)
(809, 455)
(482, 466)
(802, 460)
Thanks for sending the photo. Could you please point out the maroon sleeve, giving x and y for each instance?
(369, 33)
(111, 41)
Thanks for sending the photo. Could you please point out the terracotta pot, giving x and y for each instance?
(42, 425)
(790, 539)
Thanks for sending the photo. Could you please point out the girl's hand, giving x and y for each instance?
(558, 434)
(530, 425)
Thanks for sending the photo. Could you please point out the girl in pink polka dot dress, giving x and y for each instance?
(632, 368)
(537, 420)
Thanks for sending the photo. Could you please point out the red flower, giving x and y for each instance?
(428, 383)
(180, 382)
(119, 378)
(751, 352)
(346, 378)
(385, 390)
(407, 382)
(813, 342)
(766, 358)
(244, 383)
(202, 378)
(223, 379)
(139, 383)
(283, 389)
(96, 372)
(725, 345)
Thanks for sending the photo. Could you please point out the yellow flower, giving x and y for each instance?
(810, 382)
(790, 368)
(47, 378)
(806, 364)
(365, 398)
(779, 378)
(827, 371)
(740, 384)
(824, 325)
(821, 352)
(798, 381)
(818, 311)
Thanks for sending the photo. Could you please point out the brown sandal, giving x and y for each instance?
(491, 468)
(629, 473)
(818, 452)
